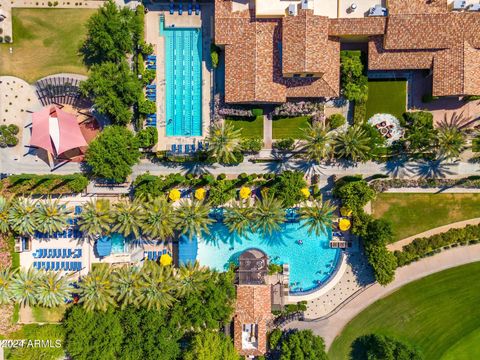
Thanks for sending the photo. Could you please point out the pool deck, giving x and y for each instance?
(152, 35)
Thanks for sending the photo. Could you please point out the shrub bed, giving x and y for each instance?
(423, 247)
(300, 108)
(7, 135)
(44, 184)
(385, 184)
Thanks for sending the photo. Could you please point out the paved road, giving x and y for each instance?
(331, 327)
(30, 164)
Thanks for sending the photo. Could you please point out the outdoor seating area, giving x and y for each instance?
(189, 148)
(65, 234)
(57, 253)
(58, 265)
(59, 90)
(155, 255)
(388, 126)
(151, 62)
(190, 8)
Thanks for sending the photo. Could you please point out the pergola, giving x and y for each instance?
(57, 132)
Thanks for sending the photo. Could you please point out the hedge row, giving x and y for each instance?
(423, 247)
(472, 182)
(44, 184)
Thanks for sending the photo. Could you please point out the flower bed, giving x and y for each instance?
(383, 185)
(301, 108)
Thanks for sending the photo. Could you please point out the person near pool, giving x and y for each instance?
(300, 242)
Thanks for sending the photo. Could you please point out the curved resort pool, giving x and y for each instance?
(311, 263)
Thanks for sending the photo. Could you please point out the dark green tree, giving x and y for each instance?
(109, 35)
(420, 135)
(287, 187)
(355, 195)
(382, 347)
(114, 89)
(302, 344)
(113, 153)
(354, 82)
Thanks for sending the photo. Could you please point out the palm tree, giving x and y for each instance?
(317, 142)
(191, 278)
(451, 141)
(318, 217)
(95, 289)
(159, 221)
(51, 216)
(192, 218)
(96, 218)
(6, 277)
(352, 144)
(128, 217)
(4, 210)
(22, 216)
(24, 287)
(157, 284)
(268, 214)
(126, 285)
(238, 218)
(224, 140)
(53, 289)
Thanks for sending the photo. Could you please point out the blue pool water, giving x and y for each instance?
(183, 80)
(311, 262)
(118, 243)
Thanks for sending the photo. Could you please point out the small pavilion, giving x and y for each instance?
(58, 133)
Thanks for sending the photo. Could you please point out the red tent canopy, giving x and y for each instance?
(56, 131)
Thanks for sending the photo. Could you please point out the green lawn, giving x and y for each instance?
(386, 97)
(46, 41)
(411, 214)
(290, 127)
(250, 127)
(438, 314)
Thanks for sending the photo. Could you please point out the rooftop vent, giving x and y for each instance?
(292, 9)
(307, 4)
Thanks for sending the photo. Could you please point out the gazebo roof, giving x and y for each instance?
(56, 131)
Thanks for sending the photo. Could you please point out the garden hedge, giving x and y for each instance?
(44, 184)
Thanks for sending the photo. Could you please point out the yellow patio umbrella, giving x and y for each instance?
(305, 192)
(174, 195)
(245, 192)
(166, 260)
(345, 211)
(344, 224)
(200, 193)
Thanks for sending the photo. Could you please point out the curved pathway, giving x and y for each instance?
(330, 327)
(398, 245)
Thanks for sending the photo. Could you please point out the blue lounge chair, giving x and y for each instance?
(187, 149)
(192, 148)
(77, 253)
(179, 148)
(50, 253)
(197, 9)
(153, 86)
(180, 9)
(190, 8)
(35, 265)
(69, 253)
(174, 148)
(57, 265)
(64, 253)
(36, 254)
(62, 265)
(47, 265)
(172, 9)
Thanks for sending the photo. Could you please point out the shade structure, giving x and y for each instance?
(344, 224)
(104, 246)
(166, 260)
(56, 131)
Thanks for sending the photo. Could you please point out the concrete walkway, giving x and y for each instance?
(398, 245)
(330, 327)
(267, 132)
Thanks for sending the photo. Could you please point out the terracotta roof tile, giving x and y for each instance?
(396, 7)
(374, 25)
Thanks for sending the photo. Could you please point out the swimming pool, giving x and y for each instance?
(183, 80)
(118, 243)
(311, 263)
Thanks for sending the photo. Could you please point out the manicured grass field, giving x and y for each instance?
(46, 41)
(387, 97)
(411, 214)
(438, 314)
(250, 127)
(289, 127)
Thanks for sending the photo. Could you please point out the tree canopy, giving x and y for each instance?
(287, 186)
(210, 345)
(113, 153)
(355, 194)
(302, 344)
(114, 89)
(382, 347)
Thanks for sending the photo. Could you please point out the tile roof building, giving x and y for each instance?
(271, 59)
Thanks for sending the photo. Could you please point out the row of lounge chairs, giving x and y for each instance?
(155, 255)
(152, 120)
(189, 9)
(57, 253)
(58, 265)
(189, 148)
(66, 234)
(151, 62)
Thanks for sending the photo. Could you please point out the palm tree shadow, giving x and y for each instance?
(279, 163)
(197, 168)
(277, 238)
(398, 167)
(310, 168)
(433, 169)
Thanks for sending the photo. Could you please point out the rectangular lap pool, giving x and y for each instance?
(183, 80)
